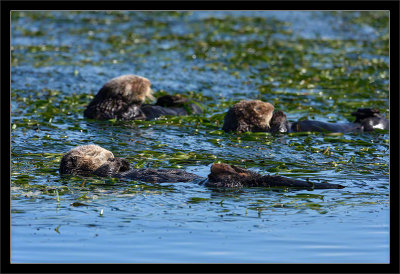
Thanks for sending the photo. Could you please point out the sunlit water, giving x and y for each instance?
(104, 220)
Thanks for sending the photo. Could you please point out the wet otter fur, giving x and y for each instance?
(366, 120)
(95, 160)
(224, 175)
(90, 159)
(248, 115)
(174, 105)
(279, 122)
(171, 101)
(370, 119)
(120, 98)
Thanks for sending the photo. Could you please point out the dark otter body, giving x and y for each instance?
(370, 119)
(151, 175)
(366, 120)
(106, 109)
(122, 97)
(255, 115)
(224, 175)
(92, 159)
(174, 105)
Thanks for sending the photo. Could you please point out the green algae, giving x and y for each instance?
(195, 200)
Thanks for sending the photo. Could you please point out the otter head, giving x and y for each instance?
(252, 115)
(92, 159)
(130, 88)
(120, 98)
(224, 175)
(279, 123)
(370, 119)
(364, 113)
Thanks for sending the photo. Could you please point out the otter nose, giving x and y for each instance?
(282, 129)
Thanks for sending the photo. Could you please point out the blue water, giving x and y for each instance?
(164, 229)
(134, 222)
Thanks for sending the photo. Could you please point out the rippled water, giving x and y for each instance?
(320, 65)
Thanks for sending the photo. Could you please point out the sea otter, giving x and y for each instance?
(122, 98)
(94, 160)
(255, 115)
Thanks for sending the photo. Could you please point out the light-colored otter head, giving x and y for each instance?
(249, 115)
(256, 110)
(131, 88)
(84, 160)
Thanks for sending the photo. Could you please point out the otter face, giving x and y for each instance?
(84, 160)
(253, 115)
(131, 88)
(279, 122)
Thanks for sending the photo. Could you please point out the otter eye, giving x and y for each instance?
(109, 156)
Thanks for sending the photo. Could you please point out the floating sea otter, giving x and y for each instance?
(94, 160)
(255, 115)
(122, 98)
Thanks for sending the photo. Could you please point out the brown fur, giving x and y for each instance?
(84, 160)
(94, 160)
(120, 98)
(131, 88)
(253, 115)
